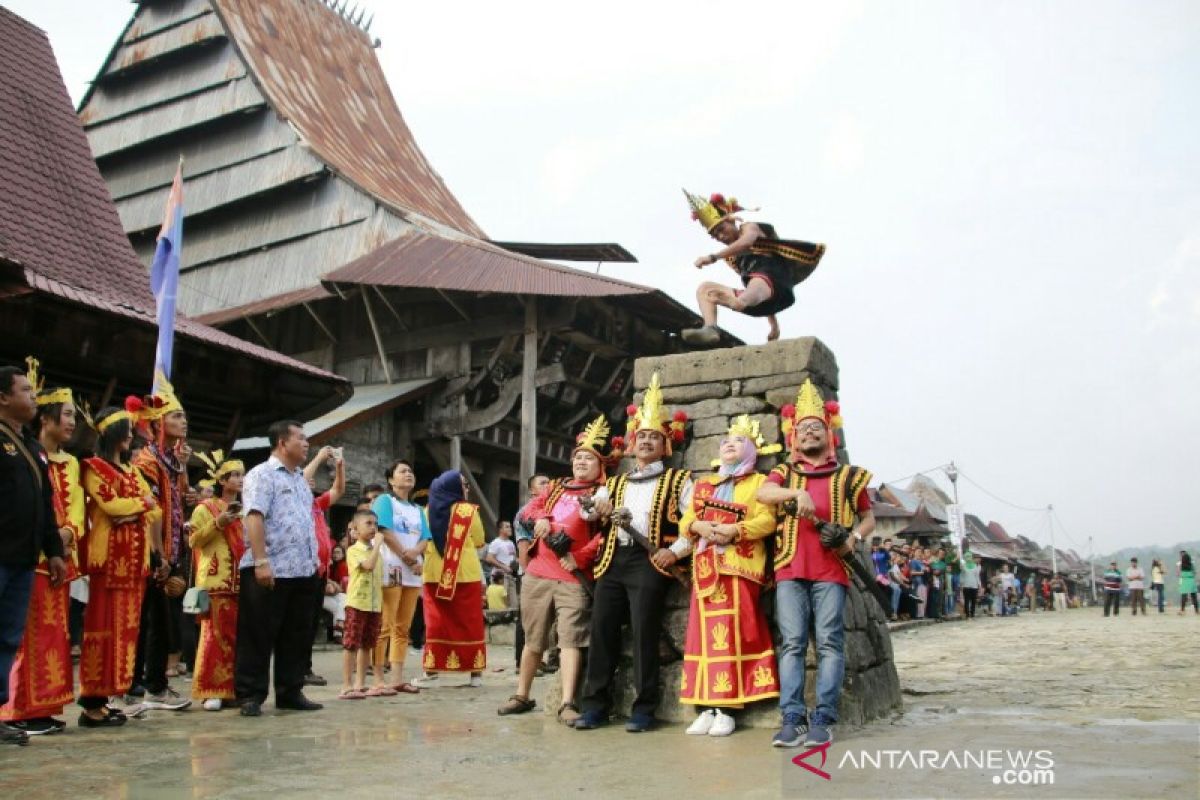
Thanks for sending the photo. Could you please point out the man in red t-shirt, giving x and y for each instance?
(321, 505)
(811, 578)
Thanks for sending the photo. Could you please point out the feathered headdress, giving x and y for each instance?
(654, 416)
(747, 426)
(162, 402)
(810, 405)
(593, 439)
(712, 211)
(38, 380)
(218, 466)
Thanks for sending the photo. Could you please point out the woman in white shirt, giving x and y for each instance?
(402, 571)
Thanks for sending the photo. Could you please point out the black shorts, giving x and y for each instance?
(778, 275)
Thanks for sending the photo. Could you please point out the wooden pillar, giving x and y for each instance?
(529, 397)
(456, 462)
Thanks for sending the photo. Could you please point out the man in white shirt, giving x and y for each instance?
(631, 583)
(501, 555)
(1137, 587)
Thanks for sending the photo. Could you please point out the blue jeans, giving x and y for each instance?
(16, 584)
(895, 587)
(795, 603)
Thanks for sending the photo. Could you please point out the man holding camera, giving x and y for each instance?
(826, 515)
(556, 589)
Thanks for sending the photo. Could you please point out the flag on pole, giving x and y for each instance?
(164, 274)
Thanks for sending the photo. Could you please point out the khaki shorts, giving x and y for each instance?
(554, 605)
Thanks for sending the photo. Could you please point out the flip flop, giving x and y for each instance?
(351, 694)
(406, 688)
(381, 691)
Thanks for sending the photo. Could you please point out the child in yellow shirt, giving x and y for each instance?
(364, 607)
(497, 595)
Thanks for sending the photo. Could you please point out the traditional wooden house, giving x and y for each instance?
(316, 225)
(73, 293)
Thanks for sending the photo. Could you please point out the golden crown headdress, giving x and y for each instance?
(712, 211)
(44, 398)
(810, 404)
(218, 466)
(747, 426)
(162, 402)
(652, 415)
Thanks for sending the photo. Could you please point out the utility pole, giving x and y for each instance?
(1053, 552)
(1092, 569)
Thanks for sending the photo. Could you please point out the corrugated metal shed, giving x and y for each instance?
(421, 260)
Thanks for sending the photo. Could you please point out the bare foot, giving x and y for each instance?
(773, 333)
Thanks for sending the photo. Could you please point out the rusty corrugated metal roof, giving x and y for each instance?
(469, 265)
(57, 220)
(275, 303)
(319, 71)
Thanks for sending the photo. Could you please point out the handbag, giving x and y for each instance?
(195, 601)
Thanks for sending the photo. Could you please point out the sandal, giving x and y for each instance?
(568, 713)
(381, 691)
(405, 688)
(516, 705)
(351, 694)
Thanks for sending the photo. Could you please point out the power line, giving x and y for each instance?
(996, 497)
(939, 467)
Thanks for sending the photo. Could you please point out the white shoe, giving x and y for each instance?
(476, 682)
(722, 725)
(426, 681)
(703, 724)
(212, 704)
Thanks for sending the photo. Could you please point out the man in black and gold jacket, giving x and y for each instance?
(27, 523)
(631, 582)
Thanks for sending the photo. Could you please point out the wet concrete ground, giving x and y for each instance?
(1113, 700)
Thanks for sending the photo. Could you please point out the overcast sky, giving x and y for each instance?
(1009, 192)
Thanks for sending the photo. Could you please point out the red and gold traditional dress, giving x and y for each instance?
(452, 596)
(116, 556)
(42, 679)
(217, 552)
(729, 659)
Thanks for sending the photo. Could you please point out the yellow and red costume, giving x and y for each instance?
(42, 680)
(452, 594)
(116, 556)
(729, 659)
(216, 551)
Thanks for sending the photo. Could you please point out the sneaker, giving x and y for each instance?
(703, 724)
(639, 722)
(705, 336)
(212, 704)
(723, 724)
(40, 726)
(313, 679)
(476, 682)
(426, 681)
(791, 733)
(818, 735)
(168, 700)
(590, 720)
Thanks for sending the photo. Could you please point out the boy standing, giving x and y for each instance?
(364, 607)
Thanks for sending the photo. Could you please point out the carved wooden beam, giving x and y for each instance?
(483, 417)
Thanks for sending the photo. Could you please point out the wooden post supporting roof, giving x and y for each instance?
(529, 397)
